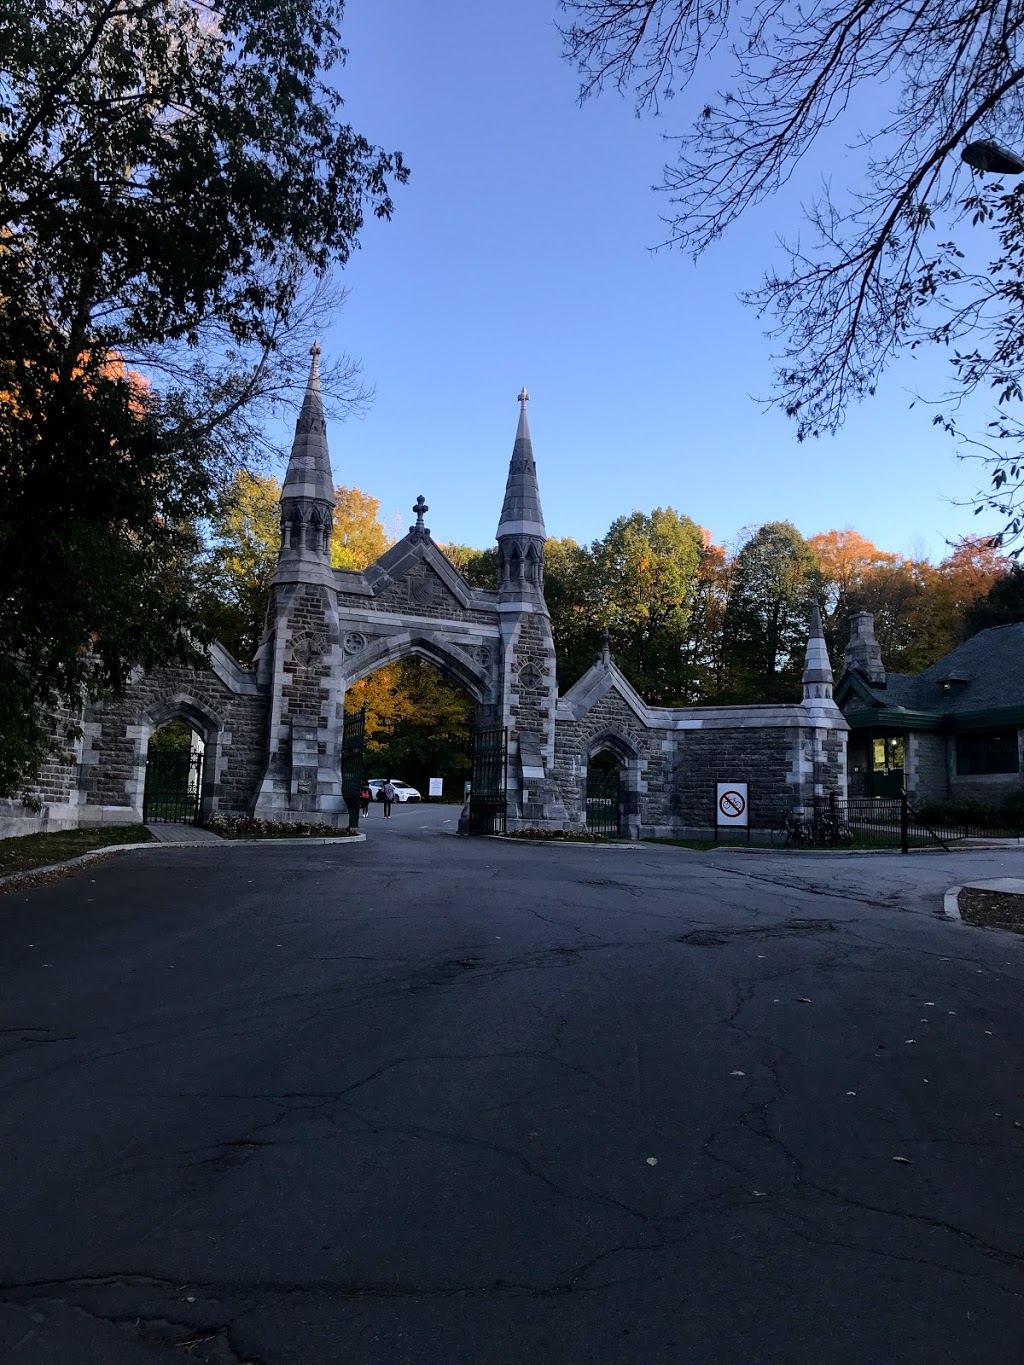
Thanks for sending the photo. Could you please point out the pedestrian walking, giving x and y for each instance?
(389, 794)
(364, 799)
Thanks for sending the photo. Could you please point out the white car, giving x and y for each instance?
(403, 792)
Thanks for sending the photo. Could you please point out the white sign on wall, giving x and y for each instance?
(436, 784)
(731, 805)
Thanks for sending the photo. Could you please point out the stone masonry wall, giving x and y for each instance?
(112, 751)
(420, 592)
(647, 781)
(763, 758)
(926, 770)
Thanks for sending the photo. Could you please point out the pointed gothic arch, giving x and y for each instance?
(451, 662)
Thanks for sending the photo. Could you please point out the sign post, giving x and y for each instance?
(436, 784)
(732, 807)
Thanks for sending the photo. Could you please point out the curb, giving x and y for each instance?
(155, 843)
(951, 904)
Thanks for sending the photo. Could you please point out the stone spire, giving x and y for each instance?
(817, 678)
(521, 532)
(307, 498)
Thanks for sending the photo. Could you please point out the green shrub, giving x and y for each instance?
(1007, 813)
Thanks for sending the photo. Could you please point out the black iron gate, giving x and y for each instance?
(489, 781)
(603, 802)
(352, 763)
(174, 779)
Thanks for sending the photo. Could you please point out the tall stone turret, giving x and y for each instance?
(817, 678)
(528, 688)
(521, 534)
(307, 498)
(300, 652)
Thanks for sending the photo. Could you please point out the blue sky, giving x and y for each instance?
(520, 253)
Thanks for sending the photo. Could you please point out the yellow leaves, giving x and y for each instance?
(358, 537)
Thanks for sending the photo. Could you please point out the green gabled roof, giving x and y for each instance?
(988, 691)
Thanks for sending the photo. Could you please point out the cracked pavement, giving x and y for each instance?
(428, 1099)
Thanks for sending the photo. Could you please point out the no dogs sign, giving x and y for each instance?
(731, 806)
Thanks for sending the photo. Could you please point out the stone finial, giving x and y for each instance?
(605, 656)
(420, 508)
(524, 397)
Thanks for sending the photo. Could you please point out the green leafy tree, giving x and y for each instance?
(775, 583)
(245, 535)
(703, 656)
(175, 186)
(97, 544)
(647, 568)
(1001, 605)
(575, 602)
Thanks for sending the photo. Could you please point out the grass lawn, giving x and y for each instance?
(40, 850)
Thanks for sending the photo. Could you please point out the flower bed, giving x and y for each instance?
(564, 836)
(248, 827)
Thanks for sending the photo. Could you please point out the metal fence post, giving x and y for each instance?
(904, 822)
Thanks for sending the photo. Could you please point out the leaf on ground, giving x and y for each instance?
(652, 1161)
(903, 1160)
(737, 1073)
(804, 1000)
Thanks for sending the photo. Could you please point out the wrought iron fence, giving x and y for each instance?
(888, 822)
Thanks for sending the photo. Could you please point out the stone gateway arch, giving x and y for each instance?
(273, 734)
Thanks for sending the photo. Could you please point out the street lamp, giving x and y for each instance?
(992, 156)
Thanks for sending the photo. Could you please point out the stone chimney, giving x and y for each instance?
(863, 653)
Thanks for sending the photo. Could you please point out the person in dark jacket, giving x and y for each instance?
(364, 799)
(389, 794)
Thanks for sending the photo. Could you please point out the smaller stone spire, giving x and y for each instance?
(307, 498)
(817, 679)
(521, 513)
(309, 465)
(605, 657)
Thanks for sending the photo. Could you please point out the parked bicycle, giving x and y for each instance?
(794, 832)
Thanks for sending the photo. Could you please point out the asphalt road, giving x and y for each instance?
(469, 1102)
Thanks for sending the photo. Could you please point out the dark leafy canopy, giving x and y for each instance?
(775, 583)
(96, 543)
(1002, 605)
(174, 179)
(908, 85)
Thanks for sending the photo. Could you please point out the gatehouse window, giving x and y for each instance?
(992, 752)
(887, 754)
